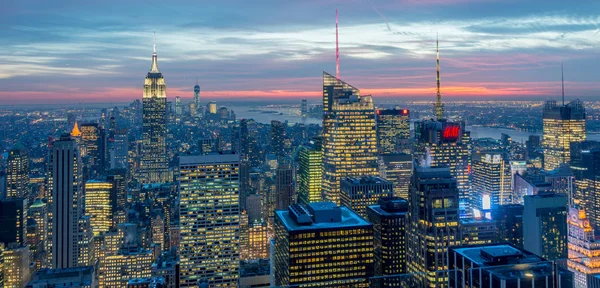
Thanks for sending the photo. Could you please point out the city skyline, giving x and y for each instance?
(63, 53)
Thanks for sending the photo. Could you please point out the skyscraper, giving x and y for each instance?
(446, 144)
(491, 182)
(98, 205)
(13, 219)
(545, 225)
(390, 220)
(277, 140)
(393, 130)
(154, 166)
(509, 220)
(119, 152)
(562, 126)
(433, 225)
(197, 98)
(397, 168)
(322, 245)
(357, 193)
(17, 172)
(93, 149)
(349, 135)
(284, 187)
(209, 220)
(248, 142)
(66, 202)
(310, 172)
(439, 106)
(584, 249)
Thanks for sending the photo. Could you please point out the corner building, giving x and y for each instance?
(322, 245)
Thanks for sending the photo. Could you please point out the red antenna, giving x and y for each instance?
(337, 48)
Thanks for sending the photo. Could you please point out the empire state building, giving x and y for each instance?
(154, 166)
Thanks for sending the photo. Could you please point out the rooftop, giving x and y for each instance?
(214, 157)
(349, 219)
(497, 255)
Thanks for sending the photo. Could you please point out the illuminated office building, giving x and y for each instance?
(249, 149)
(583, 248)
(38, 211)
(478, 231)
(433, 225)
(154, 165)
(117, 270)
(192, 108)
(310, 172)
(98, 205)
(209, 220)
(349, 135)
(278, 140)
(509, 220)
(118, 192)
(322, 245)
(562, 126)
(66, 202)
(357, 193)
(16, 265)
(93, 149)
(284, 187)
(390, 219)
(545, 225)
(397, 168)
(585, 162)
(119, 150)
(393, 130)
(13, 221)
(255, 245)
(446, 144)
(17, 172)
(491, 180)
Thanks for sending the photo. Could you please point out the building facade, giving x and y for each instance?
(322, 245)
(310, 172)
(393, 130)
(545, 225)
(209, 220)
(360, 192)
(562, 126)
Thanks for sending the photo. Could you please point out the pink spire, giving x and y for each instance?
(337, 48)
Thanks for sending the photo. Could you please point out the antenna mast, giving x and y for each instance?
(439, 107)
(562, 79)
(337, 48)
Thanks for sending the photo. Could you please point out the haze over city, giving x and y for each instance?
(71, 51)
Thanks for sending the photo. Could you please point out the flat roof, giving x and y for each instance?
(209, 158)
(473, 253)
(349, 220)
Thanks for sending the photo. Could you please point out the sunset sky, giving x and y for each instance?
(100, 51)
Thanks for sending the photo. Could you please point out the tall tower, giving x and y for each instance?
(197, 98)
(439, 107)
(66, 202)
(433, 225)
(154, 166)
(346, 154)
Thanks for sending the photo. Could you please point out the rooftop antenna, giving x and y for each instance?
(439, 107)
(337, 48)
(562, 79)
(154, 41)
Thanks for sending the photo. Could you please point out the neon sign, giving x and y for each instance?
(451, 133)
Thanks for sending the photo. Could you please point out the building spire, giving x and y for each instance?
(439, 107)
(562, 79)
(337, 48)
(154, 68)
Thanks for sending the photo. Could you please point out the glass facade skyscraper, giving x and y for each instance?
(393, 130)
(209, 220)
(349, 135)
(310, 172)
(562, 126)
